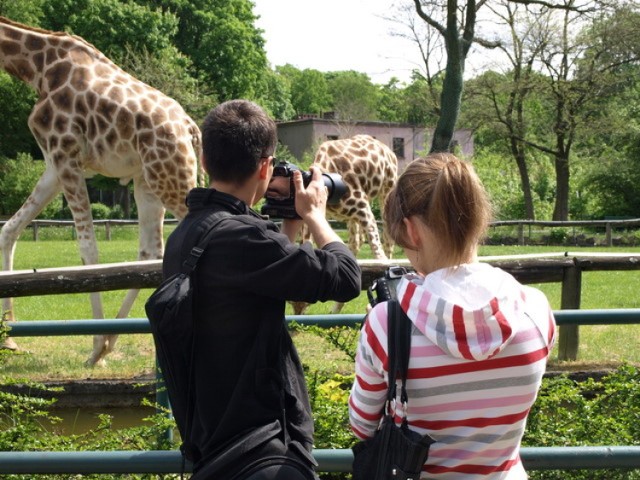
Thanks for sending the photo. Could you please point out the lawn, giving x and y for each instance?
(63, 357)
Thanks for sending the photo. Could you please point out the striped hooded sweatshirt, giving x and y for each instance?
(479, 346)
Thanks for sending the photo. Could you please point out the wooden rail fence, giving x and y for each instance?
(565, 268)
(608, 225)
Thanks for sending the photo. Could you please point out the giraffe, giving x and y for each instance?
(369, 169)
(92, 117)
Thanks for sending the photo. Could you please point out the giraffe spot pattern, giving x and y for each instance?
(34, 42)
(9, 49)
(63, 99)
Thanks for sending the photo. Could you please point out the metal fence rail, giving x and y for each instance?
(329, 460)
(44, 328)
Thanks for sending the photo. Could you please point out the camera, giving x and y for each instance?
(384, 288)
(280, 195)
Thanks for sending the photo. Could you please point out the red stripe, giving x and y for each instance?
(375, 345)
(372, 417)
(408, 294)
(505, 328)
(358, 433)
(474, 422)
(371, 387)
(489, 364)
(471, 468)
(461, 333)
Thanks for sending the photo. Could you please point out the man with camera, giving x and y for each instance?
(251, 417)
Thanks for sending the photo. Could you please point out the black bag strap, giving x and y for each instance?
(188, 268)
(399, 349)
(196, 251)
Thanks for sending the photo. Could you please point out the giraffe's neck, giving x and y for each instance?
(22, 52)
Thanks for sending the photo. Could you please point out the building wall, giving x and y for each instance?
(304, 136)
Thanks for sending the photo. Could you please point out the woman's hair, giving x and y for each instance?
(235, 136)
(445, 193)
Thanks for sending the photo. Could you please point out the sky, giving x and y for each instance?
(335, 35)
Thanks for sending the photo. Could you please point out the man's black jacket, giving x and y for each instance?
(245, 362)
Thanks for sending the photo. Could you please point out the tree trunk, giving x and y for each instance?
(561, 209)
(450, 100)
(517, 149)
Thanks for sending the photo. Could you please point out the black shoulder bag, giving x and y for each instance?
(394, 452)
(170, 313)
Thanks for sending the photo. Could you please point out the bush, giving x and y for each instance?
(18, 177)
(100, 211)
(558, 236)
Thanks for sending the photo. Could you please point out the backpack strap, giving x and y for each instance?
(204, 237)
(188, 268)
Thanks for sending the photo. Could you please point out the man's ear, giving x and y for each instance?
(413, 231)
(264, 170)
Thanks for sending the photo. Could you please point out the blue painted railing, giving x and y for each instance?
(329, 460)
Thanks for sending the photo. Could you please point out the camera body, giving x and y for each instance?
(384, 288)
(280, 196)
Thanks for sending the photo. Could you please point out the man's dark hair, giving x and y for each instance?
(235, 136)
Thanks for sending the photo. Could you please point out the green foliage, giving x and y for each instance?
(18, 177)
(557, 236)
(112, 25)
(392, 106)
(309, 90)
(355, 98)
(592, 412)
(223, 43)
(276, 99)
(17, 100)
(100, 211)
(329, 394)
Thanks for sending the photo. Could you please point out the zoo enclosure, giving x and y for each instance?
(147, 275)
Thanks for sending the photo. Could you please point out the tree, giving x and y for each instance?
(309, 90)
(391, 105)
(458, 33)
(17, 100)
(223, 43)
(277, 97)
(580, 67)
(113, 26)
(355, 97)
(499, 101)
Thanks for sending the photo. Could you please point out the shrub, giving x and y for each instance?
(100, 211)
(18, 178)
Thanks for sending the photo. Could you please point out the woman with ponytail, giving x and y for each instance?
(480, 340)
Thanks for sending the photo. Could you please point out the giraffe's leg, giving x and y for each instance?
(370, 227)
(44, 191)
(354, 237)
(299, 308)
(75, 191)
(150, 221)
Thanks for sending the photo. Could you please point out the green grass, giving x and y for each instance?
(46, 358)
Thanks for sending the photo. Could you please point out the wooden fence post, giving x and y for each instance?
(569, 335)
(608, 235)
(521, 234)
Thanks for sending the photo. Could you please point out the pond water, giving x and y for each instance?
(76, 421)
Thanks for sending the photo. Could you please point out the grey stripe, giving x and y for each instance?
(480, 438)
(361, 398)
(441, 327)
(491, 384)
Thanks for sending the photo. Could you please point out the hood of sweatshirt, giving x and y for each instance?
(470, 311)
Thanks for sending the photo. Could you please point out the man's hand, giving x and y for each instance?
(311, 205)
(312, 200)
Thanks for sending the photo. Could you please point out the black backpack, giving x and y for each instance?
(170, 313)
